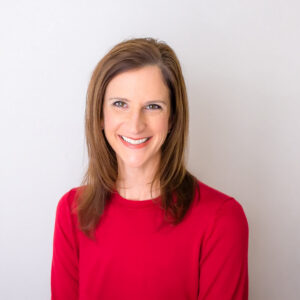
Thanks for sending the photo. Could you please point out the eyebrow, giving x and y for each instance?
(147, 102)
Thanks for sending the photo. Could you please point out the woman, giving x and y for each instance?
(141, 226)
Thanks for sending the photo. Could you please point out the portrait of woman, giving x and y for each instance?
(140, 226)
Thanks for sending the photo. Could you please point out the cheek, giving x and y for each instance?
(110, 121)
(161, 125)
(109, 124)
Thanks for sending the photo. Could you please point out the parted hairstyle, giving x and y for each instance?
(177, 184)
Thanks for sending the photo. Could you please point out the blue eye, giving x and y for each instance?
(156, 105)
(119, 103)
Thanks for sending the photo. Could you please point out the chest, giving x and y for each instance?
(138, 252)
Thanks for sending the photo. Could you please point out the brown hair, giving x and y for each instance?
(101, 174)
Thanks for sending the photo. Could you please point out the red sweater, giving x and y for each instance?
(139, 256)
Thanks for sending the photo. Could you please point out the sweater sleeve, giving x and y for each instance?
(224, 255)
(64, 269)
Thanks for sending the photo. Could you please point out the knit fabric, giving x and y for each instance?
(138, 255)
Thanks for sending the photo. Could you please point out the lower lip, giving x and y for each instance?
(142, 145)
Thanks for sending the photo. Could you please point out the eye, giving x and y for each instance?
(155, 105)
(119, 104)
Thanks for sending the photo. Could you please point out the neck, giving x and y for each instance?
(135, 184)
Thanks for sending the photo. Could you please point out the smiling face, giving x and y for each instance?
(137, 106)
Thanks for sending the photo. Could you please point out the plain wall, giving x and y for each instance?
(241, 64)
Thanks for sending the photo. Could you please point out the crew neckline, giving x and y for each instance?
(117, 198)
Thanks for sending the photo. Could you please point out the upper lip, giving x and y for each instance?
(135, 138)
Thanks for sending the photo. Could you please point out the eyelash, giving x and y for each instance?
(158, 107)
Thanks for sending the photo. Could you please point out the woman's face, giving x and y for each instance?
(137, 106)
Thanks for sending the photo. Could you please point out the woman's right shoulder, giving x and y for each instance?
(68, 200)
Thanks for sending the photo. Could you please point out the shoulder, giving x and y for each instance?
(209, 198)
(67, 201)
(217, 208)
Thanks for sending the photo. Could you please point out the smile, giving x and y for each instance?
(134, 144)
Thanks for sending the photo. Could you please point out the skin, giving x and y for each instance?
(139, 114)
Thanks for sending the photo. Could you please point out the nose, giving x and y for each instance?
(136, 121)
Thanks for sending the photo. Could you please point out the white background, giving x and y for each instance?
(241, 64)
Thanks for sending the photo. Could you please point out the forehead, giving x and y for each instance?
(139, 83)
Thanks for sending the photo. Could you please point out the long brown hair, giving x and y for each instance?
(99, 180)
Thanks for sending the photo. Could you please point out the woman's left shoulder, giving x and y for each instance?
(212, 204)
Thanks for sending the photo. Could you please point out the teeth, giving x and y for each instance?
(135, 142)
